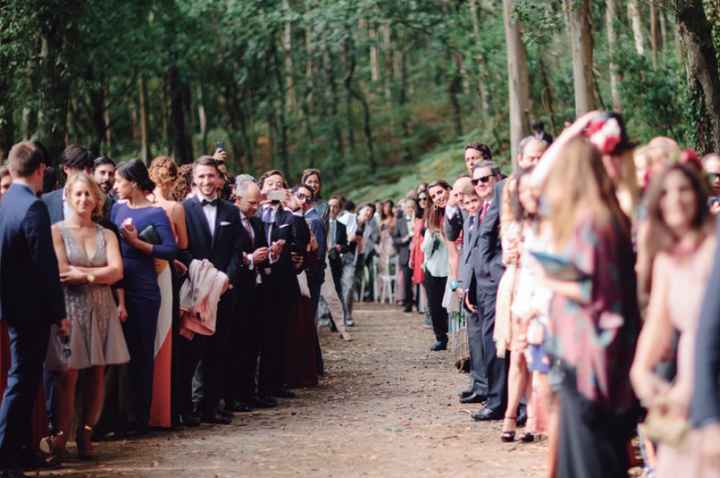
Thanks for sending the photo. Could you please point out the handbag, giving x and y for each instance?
(150, 235)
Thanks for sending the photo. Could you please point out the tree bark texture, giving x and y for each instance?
(610, 16)
(582, 55)
(518, 78)
(636, 24)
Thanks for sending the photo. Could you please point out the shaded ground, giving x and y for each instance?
(388, 407)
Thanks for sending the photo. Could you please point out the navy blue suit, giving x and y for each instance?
(30, 300)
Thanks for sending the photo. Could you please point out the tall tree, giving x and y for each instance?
(610, 17)
(518, 78)
(578, 14)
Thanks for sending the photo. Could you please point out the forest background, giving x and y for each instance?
(377, 94)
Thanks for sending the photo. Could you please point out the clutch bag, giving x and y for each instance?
(150, 235)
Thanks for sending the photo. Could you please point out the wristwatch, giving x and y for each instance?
(90, 278)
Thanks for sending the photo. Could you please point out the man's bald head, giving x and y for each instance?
(248, 197)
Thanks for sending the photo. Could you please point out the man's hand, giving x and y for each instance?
(220, 155)
(469, 306)
(277, 247)
(260, 255)
(64, 328)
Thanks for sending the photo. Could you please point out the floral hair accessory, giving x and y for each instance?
(605, 134)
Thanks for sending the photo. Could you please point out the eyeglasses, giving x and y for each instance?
(484, 180)
(712, 177)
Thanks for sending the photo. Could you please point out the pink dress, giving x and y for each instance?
(681, 280)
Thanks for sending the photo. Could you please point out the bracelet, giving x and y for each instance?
(454, 285)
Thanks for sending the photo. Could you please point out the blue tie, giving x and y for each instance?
(267, 215)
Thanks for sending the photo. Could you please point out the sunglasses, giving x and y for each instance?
(302, 197)
(422, 198)
(484, 180)
(712, 177)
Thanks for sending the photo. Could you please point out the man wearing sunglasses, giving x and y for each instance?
(711, 165)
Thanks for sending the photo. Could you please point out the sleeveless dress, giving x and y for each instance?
(96, 336)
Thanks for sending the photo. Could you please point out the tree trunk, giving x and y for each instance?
(636, 23)
(145, 153)
(402, 101)
(329, 66)
(202, 119)
(54, 79)
(7, 125)
(360, 97)
(181, 145)
(518, 78)
(287, 46)
(696, 33)
(655, 37)
(388, 55)
(280, 119)
(582, 55)
(349, 56)
(374, 53)
(454, 90)
(610, 16)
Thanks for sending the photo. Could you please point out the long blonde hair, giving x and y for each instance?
(578, 186)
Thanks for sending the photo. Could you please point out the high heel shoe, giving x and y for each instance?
(86, 451)
(529, 435)
(508, 436)
(54, 446)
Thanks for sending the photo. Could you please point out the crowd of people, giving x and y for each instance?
(576, 292)
(138, 298)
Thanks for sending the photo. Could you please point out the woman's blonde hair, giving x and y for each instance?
(94, 190)
(578, 185)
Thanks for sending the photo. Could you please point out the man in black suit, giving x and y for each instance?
(487, 270)
(401, 237)
(247, 327)
(280, 285)
(75, 159)
(28, 267)
(214, 233)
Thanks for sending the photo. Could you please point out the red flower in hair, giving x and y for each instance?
(605, 134)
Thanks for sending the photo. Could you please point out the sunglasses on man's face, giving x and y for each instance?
(713, 177)
(483, 179)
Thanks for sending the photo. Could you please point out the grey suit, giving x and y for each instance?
(478, 375)
(401, 238)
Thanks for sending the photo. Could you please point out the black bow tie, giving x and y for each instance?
(213, 203)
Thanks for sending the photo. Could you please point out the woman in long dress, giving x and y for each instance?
(89, 262)
(139, 297)
(685, 243)
(164, 173)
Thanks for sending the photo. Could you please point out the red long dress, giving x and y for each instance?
(417, 257)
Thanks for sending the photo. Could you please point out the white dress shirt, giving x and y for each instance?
(210, 212)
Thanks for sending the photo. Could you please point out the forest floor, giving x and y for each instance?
(387, 408)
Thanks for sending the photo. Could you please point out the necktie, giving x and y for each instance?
(213, 202)
(267, 215)
(249, 229)
(485, 208)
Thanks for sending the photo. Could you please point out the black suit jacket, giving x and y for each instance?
(247, 276)
(224, 248)
(285, 227)
(29, 277)
(488, 266)
(454, 224)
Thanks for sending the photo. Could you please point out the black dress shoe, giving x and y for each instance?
(189, 420)
(407, 309)
(437, 346)
(216, 419)
(474, 398)
(240, 407)
(284, 393)
(466, 393)
(487, 414)
(263, 401)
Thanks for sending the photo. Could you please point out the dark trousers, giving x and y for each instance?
(246, 334)
(28, 347)
(140, 329)
(435, 287)
(478, 374)
(407, 286)
(593, 440)
(371, 276)
(495, 367)
(211, 352)
(279, 304)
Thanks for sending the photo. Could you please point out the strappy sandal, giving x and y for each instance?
(529, 436)
(508, 436)
(86, 451)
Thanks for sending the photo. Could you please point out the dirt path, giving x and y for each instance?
(387, 408)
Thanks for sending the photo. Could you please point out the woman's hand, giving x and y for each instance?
(122, 312)
(648, 387)
(73, 276)
(129, 233)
